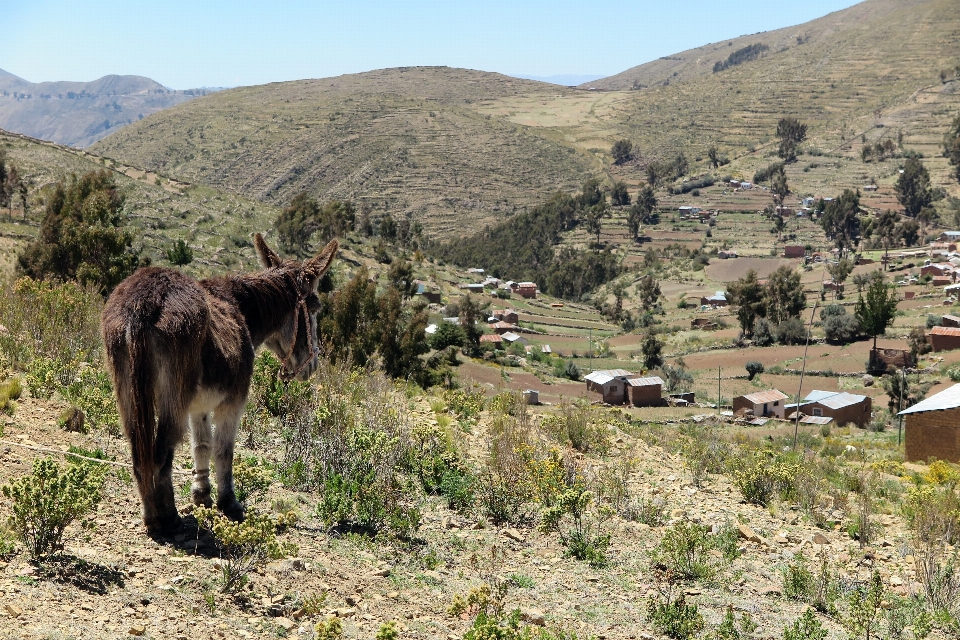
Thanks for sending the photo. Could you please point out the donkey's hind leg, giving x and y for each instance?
(160, 507)
(227, 417)
(200, 437)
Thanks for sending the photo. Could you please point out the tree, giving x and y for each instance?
(791, 133)
(595, 216)
(448, 335)
(642, 210)
(10, 187)
(676, 378)
(648, 292)
(841, 219)
(388, 228)
(886, 230)
(714, 156)
(82, 236)
(304, 217)
(860, 281)
(877, 311)
(909, 232)
(652, 349)
(400, 276)
(839, 327)
(753, 368)
(913, 188)
(619, 196)
(951, 147)
(783, 295)
(469, 314)
(180, 253)
(747, 294)
(591, 194)
(780, 190)
(622, 151)
(839, 271)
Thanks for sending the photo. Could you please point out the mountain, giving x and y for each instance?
(409, 141)
(457, 149)
(80, 113)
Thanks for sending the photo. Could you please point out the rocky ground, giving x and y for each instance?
(114, 581)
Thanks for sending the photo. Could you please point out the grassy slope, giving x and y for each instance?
(400, 140)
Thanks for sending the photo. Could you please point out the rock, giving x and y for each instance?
(896, 581)
(393, 595)
(286, 623)
(352, 600)
(13, 611)
(533, 616)
(677, 514)
(781, 539)
(747, 533)
(513, 534)
(868, 380)
(381, 573)
(819, 538)
(137, 630)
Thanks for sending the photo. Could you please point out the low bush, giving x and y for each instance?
(791, 331)
(761, 477)
(674, 618)
(251, 478)
(753, 368)
(49, 500)
(575, 425)
(580, 525)
(649, 511)
(683, 553)
(246, 545)
(806, 627)
(10, 391)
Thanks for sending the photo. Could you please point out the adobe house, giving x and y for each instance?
(503, 327)
(794, 251)
(944, 338)
(705, 324)
(933, 427)
(610, 384)
(950, 321)
(645, 392)
(506, 315)
(763, 403)
(492, 338)
(527, 290)
(718, 299)
(883, 359)
(844, 408)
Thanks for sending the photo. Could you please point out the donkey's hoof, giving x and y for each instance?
(232, 509)
(162, 527)
(201, 498)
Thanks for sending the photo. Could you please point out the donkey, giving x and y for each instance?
(178, 348)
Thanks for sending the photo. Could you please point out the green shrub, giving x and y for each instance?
(251, 478)
(675, 618)
(753, 368)
(798, 581)
(388, 631)
(732, 629)
(575, 425)
(92, 392)
(45, 376)
(649, 511)
(466, 404)
(10, 391)
(246, 545)
(460, 490)
(806, 627)
(761, 477)
(180, 253)
(579, 526)
(48, 500)
(329, 629)
(683, 553)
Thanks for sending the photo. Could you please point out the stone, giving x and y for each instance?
(819, 538)
(513, 534)
(286, 623)
(533, 616)
(137, 630)
(13, 611)
(747, 533)
(381, 573)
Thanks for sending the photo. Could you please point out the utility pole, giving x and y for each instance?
(902, 389)
(718, 391)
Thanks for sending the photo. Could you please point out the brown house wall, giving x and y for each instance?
(858, 414)
(740, 403)
(648, 396)
(944, 342)
(932, 433)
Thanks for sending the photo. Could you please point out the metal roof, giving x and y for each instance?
(945, 331)
(763, 397)
(834, 399)
(606, 375)
(951, 318)
(816, 420)
(946, 399)
(645, 382)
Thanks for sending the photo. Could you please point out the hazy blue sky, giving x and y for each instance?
(193, 43)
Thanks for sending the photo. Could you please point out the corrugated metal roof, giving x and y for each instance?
(645, 382)
(946, 331)
(816, 395)
(946, 399)
(951, 318)
(763, 397)
(759, 422)
(840, 400)
(606, 375)
(816, 420)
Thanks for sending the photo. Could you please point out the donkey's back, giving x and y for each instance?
(155, 325)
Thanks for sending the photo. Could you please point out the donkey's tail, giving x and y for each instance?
(142, 426)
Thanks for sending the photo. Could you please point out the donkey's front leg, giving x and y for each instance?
(200, 436)
(227, 417)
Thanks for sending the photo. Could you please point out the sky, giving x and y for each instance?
(195, 43)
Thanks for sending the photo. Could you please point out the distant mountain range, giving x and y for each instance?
(80, 113)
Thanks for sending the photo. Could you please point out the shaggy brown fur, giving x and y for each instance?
(179, 349)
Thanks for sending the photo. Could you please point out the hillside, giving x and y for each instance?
(408, 141)
(80, 113)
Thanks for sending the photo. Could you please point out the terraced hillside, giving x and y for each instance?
(457, 149)
(80, 113)
(408, 141)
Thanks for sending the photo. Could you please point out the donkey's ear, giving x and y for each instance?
(318, 265)
(268, 257)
